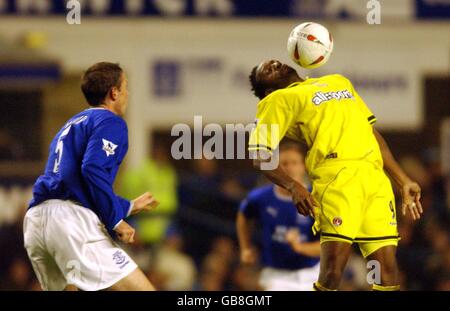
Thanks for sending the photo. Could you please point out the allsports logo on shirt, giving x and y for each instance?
(320, 97)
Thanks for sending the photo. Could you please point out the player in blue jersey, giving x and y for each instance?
(74, 212)
(290, 252)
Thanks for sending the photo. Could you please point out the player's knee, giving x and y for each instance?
(331, 272)
(331, 276)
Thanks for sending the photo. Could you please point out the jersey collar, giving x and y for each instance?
(293, 84)
(96, 108)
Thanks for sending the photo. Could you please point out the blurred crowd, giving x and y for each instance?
(189, 241)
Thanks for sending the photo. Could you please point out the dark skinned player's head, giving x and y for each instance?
(271, 75)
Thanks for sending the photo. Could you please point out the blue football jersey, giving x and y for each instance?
(277, 215)
(83, 161)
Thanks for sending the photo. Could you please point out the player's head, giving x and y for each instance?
(105, 84)
(271, 75)
(291, 160)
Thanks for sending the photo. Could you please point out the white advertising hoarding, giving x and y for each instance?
(206, 72)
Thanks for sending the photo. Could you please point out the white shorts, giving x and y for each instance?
(272, 279)
(67, 244)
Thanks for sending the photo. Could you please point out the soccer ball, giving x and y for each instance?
(310, 45)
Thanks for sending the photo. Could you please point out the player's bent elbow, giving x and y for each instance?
(85, 169)
(88, 170)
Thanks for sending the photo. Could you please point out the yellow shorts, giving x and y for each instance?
(357, 204)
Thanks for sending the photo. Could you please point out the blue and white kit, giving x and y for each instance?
(284, 269)
(74, 206)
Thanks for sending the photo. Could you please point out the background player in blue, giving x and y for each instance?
(74, 206)
(290, 252)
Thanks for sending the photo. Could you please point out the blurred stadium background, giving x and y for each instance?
(193, 57)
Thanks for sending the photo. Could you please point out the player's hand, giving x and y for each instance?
(248, 256)
(303, 200)
(293, 236)
(411, 199)
(145, 202)
(125, 232)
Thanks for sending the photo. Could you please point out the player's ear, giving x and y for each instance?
(114, 93)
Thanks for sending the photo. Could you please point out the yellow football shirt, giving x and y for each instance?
(326, 113)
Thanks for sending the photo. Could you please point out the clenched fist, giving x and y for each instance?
(125, 232)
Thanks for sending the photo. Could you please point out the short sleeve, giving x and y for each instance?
(273, 119)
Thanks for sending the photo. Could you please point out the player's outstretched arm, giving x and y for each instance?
(309, 249)
(244, 232)
(409, 189)
(145, 202)
(303, 200)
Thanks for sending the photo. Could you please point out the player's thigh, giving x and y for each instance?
(333, 258)
(386, 261)
(135, 281)
(334, 254)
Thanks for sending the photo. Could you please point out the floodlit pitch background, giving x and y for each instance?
(187, 58)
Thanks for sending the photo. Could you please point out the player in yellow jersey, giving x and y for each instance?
(352, 199)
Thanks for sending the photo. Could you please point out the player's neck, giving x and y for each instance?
(293, 79)
(296, 79)
(110, 108)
